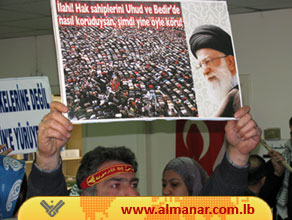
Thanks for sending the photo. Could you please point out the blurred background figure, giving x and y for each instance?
(256, 175)
(284, 197)
(265, 178)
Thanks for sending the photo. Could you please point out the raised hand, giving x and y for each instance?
(277, 159)
(54, 132)
(243, 136)
(6, 152)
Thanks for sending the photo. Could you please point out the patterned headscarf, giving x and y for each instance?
(11, 173)
(193, 175)
(282, 197)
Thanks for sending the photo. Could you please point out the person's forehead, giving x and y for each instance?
(208, 52)
(122, 176)
(171, 175)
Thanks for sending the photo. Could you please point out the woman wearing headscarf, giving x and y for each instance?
(183, 176)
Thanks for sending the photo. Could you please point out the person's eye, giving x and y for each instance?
(174, 184)
(115, 186)
(134, 185)
(206, 62)
(163, 185)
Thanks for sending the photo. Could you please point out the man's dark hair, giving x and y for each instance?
(256, 169)
(96, 157)
(290, 122)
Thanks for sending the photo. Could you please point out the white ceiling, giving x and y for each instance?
(22, 18)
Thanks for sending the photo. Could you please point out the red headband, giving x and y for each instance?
(105, 173)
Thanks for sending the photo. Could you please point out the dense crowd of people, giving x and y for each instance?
(125, 73)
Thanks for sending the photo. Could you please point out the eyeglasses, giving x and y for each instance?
(208, 62)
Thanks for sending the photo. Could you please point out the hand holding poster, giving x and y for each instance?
(131, 60)
(23, 103)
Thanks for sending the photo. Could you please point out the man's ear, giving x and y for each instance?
(263, 180)
(231, 64)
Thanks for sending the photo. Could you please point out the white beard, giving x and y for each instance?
(219, 88)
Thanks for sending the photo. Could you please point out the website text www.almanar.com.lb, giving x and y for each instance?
(246, 209)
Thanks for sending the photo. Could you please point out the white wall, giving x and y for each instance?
(264, 54)
(264, 50)
(29, 56)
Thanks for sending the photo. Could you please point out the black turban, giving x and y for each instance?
(211, 36)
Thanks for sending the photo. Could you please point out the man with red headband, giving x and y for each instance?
(111, 171)
(103, 172)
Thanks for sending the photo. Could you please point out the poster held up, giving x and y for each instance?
(121, 61)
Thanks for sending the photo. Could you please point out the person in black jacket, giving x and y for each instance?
(265, 178)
